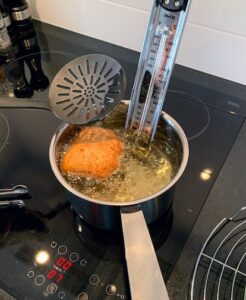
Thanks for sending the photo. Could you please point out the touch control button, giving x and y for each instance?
(74, 257)
(62, 249)
(83, 262)
(53, 244)
(51, 288)
(30, 274)
(61, 295)
(83, 296)
(39, 280)
(94, 279)
(111, 289)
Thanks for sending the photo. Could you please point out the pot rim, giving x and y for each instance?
(170, 120)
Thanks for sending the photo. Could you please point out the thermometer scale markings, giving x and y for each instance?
(171, 20)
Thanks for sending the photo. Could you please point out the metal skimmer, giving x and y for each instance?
(156, 63)
(220, 271)
(85, 90)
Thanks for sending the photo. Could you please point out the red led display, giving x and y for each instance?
(56, 276)
(63, 265)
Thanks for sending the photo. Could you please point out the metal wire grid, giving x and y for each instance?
(220, 270)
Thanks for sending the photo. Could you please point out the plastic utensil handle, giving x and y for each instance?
(145, 278)
(23, 103)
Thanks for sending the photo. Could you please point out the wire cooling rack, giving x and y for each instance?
(220, 270)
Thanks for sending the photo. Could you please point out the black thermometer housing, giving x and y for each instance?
(174, 5)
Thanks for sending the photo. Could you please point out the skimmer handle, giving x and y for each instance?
(23, 103)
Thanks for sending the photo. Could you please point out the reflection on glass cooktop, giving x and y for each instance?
(50, 63)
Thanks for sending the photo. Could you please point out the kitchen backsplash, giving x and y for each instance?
(214, 40)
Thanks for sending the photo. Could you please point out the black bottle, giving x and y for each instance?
(28, 42)
(13, 69)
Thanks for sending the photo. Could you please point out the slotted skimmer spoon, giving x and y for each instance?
(85, 90)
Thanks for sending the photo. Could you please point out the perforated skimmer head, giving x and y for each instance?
(87, 89)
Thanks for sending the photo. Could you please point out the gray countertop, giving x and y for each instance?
(227, 196)
(5, 296)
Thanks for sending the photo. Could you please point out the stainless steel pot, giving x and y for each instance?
(145, 277)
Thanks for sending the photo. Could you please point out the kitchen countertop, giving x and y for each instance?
(230, 185)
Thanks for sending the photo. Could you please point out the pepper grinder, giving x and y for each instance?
(29, 48)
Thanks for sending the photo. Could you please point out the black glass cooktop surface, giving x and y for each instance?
(45, 249)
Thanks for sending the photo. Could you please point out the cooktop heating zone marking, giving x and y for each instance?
(203, 112)
(4, 131)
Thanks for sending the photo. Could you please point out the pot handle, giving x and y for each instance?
(145, 278)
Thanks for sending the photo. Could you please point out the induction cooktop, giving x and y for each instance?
(46, 251)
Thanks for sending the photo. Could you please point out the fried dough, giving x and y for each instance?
(95, 153)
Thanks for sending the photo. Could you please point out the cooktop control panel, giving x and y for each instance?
(54, 270)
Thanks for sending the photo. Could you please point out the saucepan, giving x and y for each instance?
(144, 273)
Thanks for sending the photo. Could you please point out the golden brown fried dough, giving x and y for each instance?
(96, 153)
